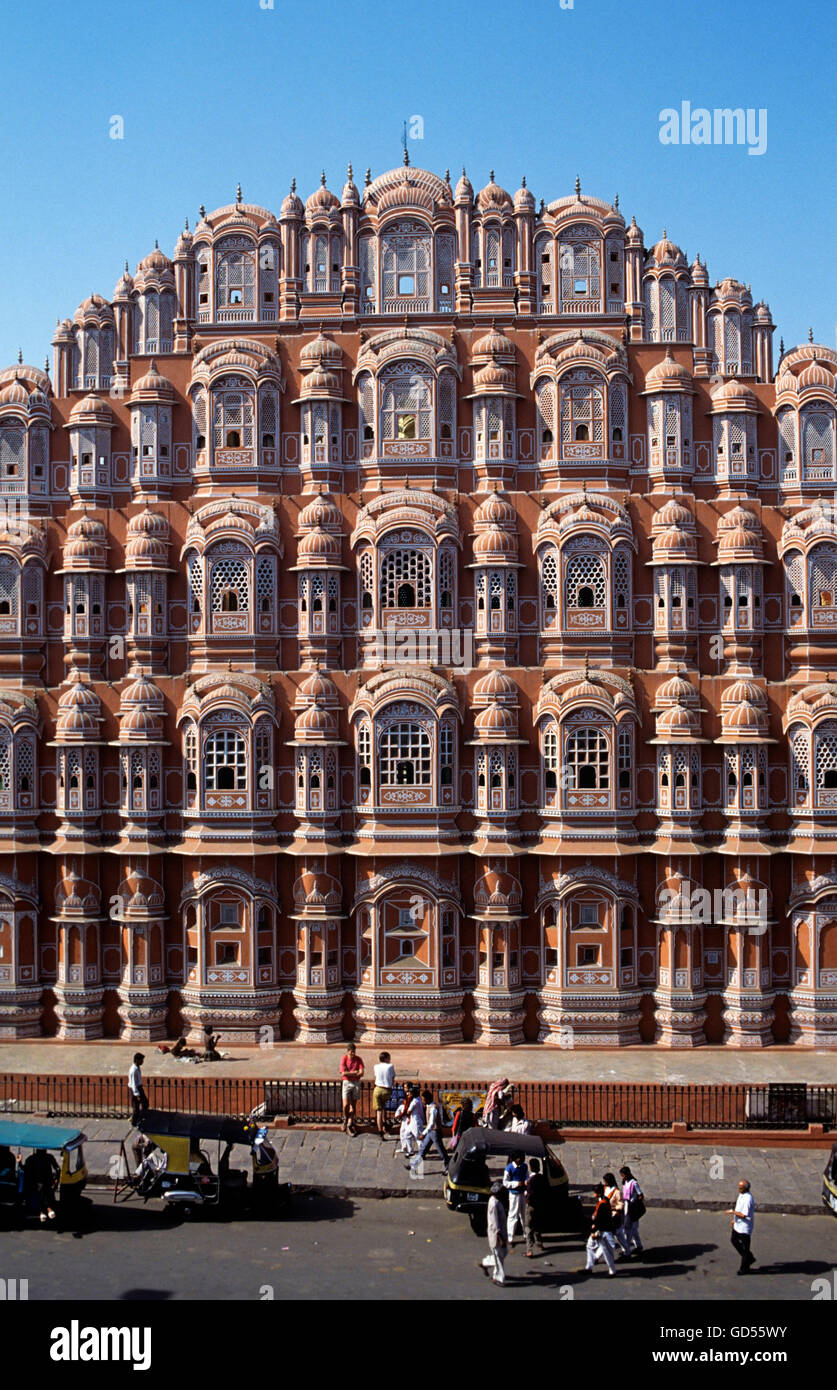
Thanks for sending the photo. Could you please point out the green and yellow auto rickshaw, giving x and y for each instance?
(174, 1161)
(42, 1172)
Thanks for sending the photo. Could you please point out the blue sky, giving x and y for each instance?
(217, 91)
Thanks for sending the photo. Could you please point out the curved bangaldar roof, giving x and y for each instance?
(439, 189)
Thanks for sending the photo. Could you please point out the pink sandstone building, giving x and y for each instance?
(418, 611)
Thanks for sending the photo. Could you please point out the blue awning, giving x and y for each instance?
(19, 1135)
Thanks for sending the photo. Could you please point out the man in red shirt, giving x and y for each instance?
(351, 1075)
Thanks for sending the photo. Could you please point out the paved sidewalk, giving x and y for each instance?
(671, 1175)
(303, 1061)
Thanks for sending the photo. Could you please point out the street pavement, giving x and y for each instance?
(361, 1249)
(294, 1061)
(671, 1174)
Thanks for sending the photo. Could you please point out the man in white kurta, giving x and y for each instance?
(498, 1243)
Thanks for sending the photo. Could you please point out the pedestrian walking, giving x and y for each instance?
(600, 1243)
(515, 1176)
(498, 1244)
(613, 1193)
(351, 1075)
(431, 1134)
(634, 1209)
(384, 1082)
(743, 1217)
(139, 1100)
(406, 1143)
(537, 1198)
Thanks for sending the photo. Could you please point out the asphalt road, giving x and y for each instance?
(397, 1249)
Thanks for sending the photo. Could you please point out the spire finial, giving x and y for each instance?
(238, 194)
(665, 234)
(293, 185)
(186, 228)
(810, 335)
(202, 210)
(322, 179)
(406, 157)
(368, 178)
(491, 176)
(156, 244)
(20, 356)
(616, 202)
(577, 185)
(349, 171)
(781, 348)
(46, 364)
(523, 181)
(126, 268)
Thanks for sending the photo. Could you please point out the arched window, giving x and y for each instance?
(235, 279)
(579, 259)
(587, 758)
(799, 744)
(586, 581)
(825, 762)
(233, 414)
(404, 758)
(406, 268)
(582, 415)
(225, 761)
(406, 579)
(822, 581)
(12, 450)
(406, 395)
(551, 758)
(818, 440)
(230, 586)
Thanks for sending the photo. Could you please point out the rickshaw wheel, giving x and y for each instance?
(186, 1210)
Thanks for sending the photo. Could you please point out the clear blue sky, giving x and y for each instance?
(223, 90)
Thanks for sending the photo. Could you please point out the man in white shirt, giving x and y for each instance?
(743, 1216)
(384, 1081)
(139, 1100)
(498, 1244)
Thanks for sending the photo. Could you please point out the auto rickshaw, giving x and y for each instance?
(22, 1191)
(468, 1179)
(829, 1181)
(174, 1162)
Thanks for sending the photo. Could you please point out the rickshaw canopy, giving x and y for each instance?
(16, 1134)
(171, 1124)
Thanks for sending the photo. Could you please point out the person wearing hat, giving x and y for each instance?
(498, 1241)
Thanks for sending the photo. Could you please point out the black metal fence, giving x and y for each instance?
(557, 1104)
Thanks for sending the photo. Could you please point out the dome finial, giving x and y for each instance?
(577, 186)
(810, 335)
(126, 268)
(238, 194)
(491, 176)
(406, 157)
(186, 228)
(293, 185)
(781, 348)
(523, 181)
(20, 356)
(665, 234)
(156, 244)
(46, 364)
(349, 171)
(202, 210)
(322, 179)
(368, 178)
(616, 202)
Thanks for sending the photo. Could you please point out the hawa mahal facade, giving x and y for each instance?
(411, 606)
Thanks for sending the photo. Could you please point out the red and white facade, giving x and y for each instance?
(418, 612)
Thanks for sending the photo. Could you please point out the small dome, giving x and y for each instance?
(319, 383)
(493, 377)
(733, 395)
(585, 689)
(292, 204)
(496, 510)
(148, 523)
(497, 687)
(184, 242)
(315, 723)
(321, 352)
(786, 381)
(147, 542)
(153, 383)
(673, 513)
(666, 253)
(494, 543)
(678, 720)
(493, 344)
(744, 691)
(321, 512)
(816, 375)
(86, 544)
(92, 410)
(14, 393)
(676, 690)
(351, 197)
(493, 196)
(124, 286)
(323, 200)
(464, 191)
(406, 194)
(668, 375)
(155, 260)
(319, 545)
(744, 718)
(496, 721)
(141, 692)
(699, 274)
(318, 688)
(94, 309)
(523, 200)
(79, 711)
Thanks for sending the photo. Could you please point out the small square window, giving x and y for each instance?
(321, 270)
(588, 915)
(406, 284)
(227, 952)
(444, 289)
(235, 297)
(268, 297)
(204, 299)
(265, 955)
(229, 914)
(588, 955)
(580, 286)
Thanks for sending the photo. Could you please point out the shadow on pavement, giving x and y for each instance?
(788, 1267)
(313, 1206)
(145, 1295)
